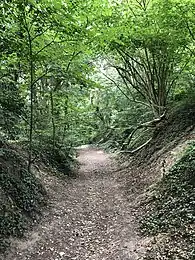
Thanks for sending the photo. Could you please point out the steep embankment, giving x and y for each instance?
(163, 174)
(95, 215)
(21, 194)
(170, 214)
(89, 217)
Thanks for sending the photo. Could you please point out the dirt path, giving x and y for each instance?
(90, 218)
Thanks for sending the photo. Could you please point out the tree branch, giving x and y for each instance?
(149, 124)
(36, 36)
(137, 149)
(47, 45)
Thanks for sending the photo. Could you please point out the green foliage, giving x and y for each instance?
(62, 157)
(63, 55)
(20, 185)
(172, 210)
(12, 222)
(12, 108)
(122, 122)
(74, 72)
(21, 194)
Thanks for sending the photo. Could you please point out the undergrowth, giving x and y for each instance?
(21, 194)
(171, 215)
(61, 157)
(178, 123)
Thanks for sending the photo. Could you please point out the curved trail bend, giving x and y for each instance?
(89, 218)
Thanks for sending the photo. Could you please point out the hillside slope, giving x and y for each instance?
(143, 207)
(21, 194)
(162, 176)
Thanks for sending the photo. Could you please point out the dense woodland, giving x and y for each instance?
(90, 72)
(74, 72)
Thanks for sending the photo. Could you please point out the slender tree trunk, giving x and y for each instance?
(31, 65)
(66, 125)
(53, 122)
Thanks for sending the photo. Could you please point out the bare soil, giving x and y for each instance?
(89, 217)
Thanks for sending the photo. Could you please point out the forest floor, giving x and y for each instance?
(89, 217)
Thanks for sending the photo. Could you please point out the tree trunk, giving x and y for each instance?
(31, 65)
(53, 123)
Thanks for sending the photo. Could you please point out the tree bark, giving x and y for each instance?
(53, 123)
(31, 65)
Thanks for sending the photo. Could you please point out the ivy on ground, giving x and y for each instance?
(171, 215)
